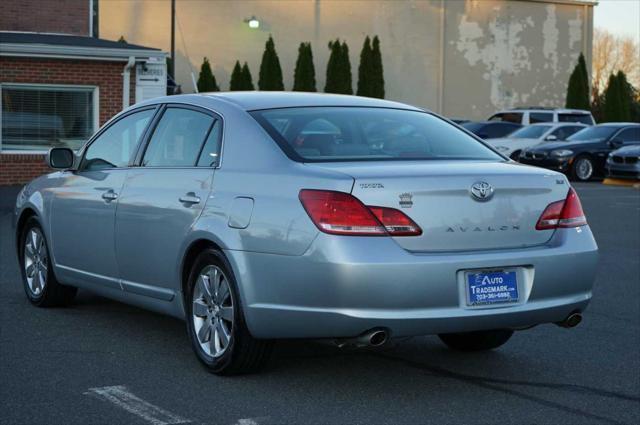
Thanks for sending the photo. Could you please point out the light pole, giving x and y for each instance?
(173, 40)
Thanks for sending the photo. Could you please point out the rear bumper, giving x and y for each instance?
(344, 286)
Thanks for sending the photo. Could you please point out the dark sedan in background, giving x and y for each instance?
(584, 154)
(624, 163)
(491, 129)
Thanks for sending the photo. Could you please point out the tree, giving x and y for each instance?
(345, 64)
(332, 81)
(247, 80)
(304, 77)
(365, 69)
(237, 82)
(618, 99)
(610, 54)
(270, 77)
(578, 88)
(377, 89)
(206, 79)
(338, 69)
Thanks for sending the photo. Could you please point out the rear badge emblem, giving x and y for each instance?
(406, 200)
(481, 191)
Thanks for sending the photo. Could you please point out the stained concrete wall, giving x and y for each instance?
(463, 58)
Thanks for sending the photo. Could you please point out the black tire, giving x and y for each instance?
(244, 354)
(52, 293)
(476, 341)
(577, 174)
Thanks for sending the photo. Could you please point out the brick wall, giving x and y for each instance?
(19, 168)
(58, 16)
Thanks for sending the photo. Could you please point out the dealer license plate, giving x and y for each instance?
(492, 287)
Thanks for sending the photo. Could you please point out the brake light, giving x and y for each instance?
(396, 222)
(340, 213)
(567, 213)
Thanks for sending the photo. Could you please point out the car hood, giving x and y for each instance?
(549, 146)
(633, 150)
(509, 140)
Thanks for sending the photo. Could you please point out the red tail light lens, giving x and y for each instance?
(396, 222)
(340, 213)
(567, 213)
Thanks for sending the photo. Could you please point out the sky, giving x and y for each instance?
(621, 17)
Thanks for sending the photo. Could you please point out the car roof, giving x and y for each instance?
(543, 109)
(256, 100)
(559, 124)
(618, 124)
(493, 122)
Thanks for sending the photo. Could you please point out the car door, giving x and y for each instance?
(83, 208)
(163, 197)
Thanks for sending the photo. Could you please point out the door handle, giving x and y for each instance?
(190, 199)
(109, 195)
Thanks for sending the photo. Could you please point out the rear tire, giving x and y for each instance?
(582, 168)
(476, 341)
(40, 284)
(215, 321)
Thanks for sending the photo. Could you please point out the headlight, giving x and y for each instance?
(502, 148)
(561, 153)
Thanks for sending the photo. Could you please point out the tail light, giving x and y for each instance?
(340, 213)
(567, 213)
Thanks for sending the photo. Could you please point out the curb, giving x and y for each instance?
(619, 182)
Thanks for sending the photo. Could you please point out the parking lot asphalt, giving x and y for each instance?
(102, 362)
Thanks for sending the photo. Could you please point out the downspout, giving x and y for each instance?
(126, 81)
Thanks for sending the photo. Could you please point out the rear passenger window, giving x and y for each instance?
(535, 117)
(572, 117)
(178, 138)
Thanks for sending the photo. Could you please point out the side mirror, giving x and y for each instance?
(551, 138)
(60, 158)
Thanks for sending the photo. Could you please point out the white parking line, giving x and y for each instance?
(122, 398)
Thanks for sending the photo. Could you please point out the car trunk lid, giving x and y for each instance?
(437, 195)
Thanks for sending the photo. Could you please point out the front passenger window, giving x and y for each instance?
(115, 146)
(178, 138)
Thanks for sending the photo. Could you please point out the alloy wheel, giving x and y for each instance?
(212, 311)
(36, 261)
(584, 169)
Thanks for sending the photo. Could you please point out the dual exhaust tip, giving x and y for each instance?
(378, 337)
(371, 338)
(571, 321)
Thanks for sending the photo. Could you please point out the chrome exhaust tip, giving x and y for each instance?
(571, 321)
(371, 338)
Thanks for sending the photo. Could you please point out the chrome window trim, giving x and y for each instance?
(162, 107)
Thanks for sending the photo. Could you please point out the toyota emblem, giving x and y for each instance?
(481, 191)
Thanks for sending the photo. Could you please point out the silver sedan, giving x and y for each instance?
(258, 216)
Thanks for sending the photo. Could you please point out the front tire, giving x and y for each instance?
(582, 169)
(215, 321)
(40, 284)
(477, 341)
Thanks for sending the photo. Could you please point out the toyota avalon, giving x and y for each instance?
(258, 216)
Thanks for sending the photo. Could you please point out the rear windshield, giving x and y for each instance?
(531, 132)
(593, 133)
(582, 118)
(329, 134)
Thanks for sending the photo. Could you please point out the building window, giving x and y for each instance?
(38, 117)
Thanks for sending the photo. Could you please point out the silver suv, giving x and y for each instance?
(533, 115)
